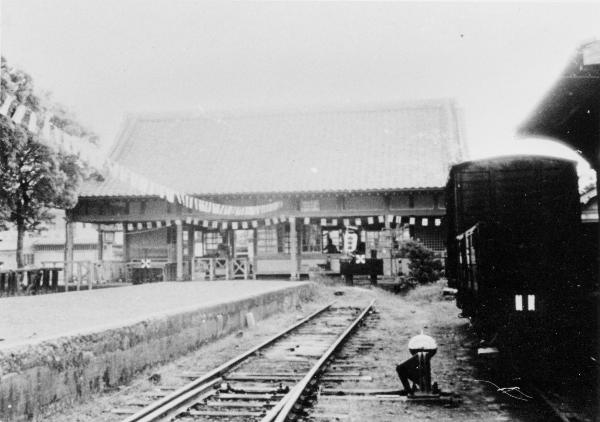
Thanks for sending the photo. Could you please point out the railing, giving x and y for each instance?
(89, 273)
(29, 281)
(225, 268)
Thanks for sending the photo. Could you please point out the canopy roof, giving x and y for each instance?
(404, 146)
(570, 112)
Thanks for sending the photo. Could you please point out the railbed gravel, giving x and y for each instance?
(454, 366)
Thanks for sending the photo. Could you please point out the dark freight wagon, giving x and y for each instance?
(513, 240)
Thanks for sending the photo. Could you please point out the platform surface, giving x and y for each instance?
(31, 319)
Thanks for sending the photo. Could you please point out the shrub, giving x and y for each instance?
(424, 267)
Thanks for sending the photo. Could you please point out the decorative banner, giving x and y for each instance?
(234, 225)
(204, 223)
(357, 221)
(411, 221)
(370, 220)
(188, 220)
(90, 153)
(346, 222)
(19, 113)
(254, 223)
(6, 104)
(244, 224)
(149, 225)
(424, 222)
(323, 222)
(139, 226)
(381, 219)
(224, 225)
(215, 224)
(334, 222)
(306, 220)
(267, 221)
(158, 224)
(438, 221)
(130, 227)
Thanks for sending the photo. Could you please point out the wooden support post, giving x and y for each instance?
(68, 256)
(100, 243)
(90, 274)
(125, 243)
(179, 249)
(294, 258)
(211, 268)
(192, 252)
(254, 253)
(79, 274)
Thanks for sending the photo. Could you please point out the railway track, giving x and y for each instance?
(269, 382)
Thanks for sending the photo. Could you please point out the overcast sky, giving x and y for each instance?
(104, 58)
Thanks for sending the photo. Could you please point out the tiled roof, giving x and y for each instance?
(109, 187)
(404, 146)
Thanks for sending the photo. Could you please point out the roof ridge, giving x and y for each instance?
(285, 110)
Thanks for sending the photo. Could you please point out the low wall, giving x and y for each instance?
(46, 376)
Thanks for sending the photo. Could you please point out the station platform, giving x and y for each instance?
(59, 348)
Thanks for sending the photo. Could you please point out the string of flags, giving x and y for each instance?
(273, 221)
(88, 152)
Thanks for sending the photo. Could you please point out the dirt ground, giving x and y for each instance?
(454, 367)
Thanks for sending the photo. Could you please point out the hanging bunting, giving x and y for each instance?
(438, 221)
(411, 221)
(323, 222)
(204, 223)
(215, 224)
(370, 220)
(357, 221)
(188, 220)
(130, 227)
(19, 113)
(346, 222)
(8, 100)
(148, 224)
(334, 222)
(244, 224)
(234, 225)
(32, 125)
(424, 222)
(139, 226)
(89, 152)
(306, 220)
(254, 223)
(381, 219)
(224, 225)
(158, 224)
(267, 221)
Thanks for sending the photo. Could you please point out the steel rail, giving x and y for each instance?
(281, 411)
(178, 397)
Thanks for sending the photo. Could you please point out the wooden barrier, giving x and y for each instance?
(220, 268)
(29, 280)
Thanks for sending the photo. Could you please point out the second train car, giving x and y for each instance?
(513, 238)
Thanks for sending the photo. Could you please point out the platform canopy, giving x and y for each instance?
(391, 147)
(570, 111)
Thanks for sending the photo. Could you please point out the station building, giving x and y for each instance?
(310, 174)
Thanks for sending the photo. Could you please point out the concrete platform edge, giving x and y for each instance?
(48, 375)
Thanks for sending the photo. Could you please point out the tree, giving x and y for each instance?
(33, 177)
(424, 267)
